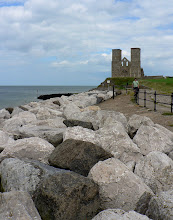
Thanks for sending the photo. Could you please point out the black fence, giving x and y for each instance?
(155, 100)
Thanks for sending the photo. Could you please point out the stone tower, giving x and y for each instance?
(124, 67)
(135, 70)
(116, 61)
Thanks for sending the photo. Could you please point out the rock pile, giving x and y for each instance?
(65, 158)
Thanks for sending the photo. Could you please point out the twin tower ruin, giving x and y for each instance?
(124, 67)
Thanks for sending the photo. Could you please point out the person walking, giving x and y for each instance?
(135, 86)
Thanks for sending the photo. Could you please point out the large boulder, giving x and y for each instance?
(134, 123)
(78, 156)
(13, 124)
(84, 124)
(154, 138)
(23, 175)
(16, 111)
(4, 114)
(113, 139)
(54, 123)
(118, 186)
(83, 100)
(118, 214)
(156, 170)
(17, 205)
(43, 113)
(161, 206)
(52, 135)
(32, 148)
(70, 109)
(5, 139)
(67, 196)
(109, 117)
(85, 116)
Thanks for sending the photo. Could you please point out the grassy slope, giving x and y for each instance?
(162, 85)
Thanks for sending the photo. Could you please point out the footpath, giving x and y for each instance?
(122, 103)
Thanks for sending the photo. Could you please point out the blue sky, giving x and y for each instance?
(70, 42)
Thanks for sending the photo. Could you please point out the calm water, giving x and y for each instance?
(12, 96)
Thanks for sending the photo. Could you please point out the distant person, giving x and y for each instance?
(135, 86)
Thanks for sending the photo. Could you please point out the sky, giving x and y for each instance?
(70, 42)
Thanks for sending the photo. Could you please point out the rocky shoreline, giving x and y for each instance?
(65, 158)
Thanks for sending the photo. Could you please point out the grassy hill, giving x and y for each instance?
(163, 85)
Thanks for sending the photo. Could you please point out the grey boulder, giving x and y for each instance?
(4, 114)
(154, 138)
(32, 148)
(118, 214)
(134, 123)
(17, 205)
(113, 139)
(50, 134)
(67, 196)
(78, 156)
(156, 170)
(119, 187)
(5, 139)
(84, 124)
(161, 206)
(23, 175)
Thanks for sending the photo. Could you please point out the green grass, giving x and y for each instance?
(167, 113)
(164, 85)
(120, 82)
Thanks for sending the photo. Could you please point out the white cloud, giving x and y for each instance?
(83, 33)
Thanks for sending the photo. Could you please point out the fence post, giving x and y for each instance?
(138, 98)
(144, 98)
(113, 91)
(155, 101)
(171, 102)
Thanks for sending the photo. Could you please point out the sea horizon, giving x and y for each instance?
(13, 95)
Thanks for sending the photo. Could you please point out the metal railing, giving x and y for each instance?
(155, 101)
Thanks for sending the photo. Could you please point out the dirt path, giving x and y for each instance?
(122, 103)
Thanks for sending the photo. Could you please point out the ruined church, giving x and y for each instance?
(124, 67)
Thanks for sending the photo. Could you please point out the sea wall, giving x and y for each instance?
(65, 158)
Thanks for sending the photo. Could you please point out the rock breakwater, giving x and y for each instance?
(65, 158)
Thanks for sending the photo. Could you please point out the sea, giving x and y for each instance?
(13, 96)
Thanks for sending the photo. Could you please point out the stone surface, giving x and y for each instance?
(84, 124)
(134, 123)
(4, 114)
(154, 138)
(70, 109)
(16, 111)
(161, 206)
(17, 206)
(54, 123)
(23, 175)
(86, 116)
(13, 124)
(52, 135)
(32, 148)
(113, 139)
(118, 214)
(67, 196)
(118, 186)
(107, 117)
(4, 140)
(156, 170)
(77, 156)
